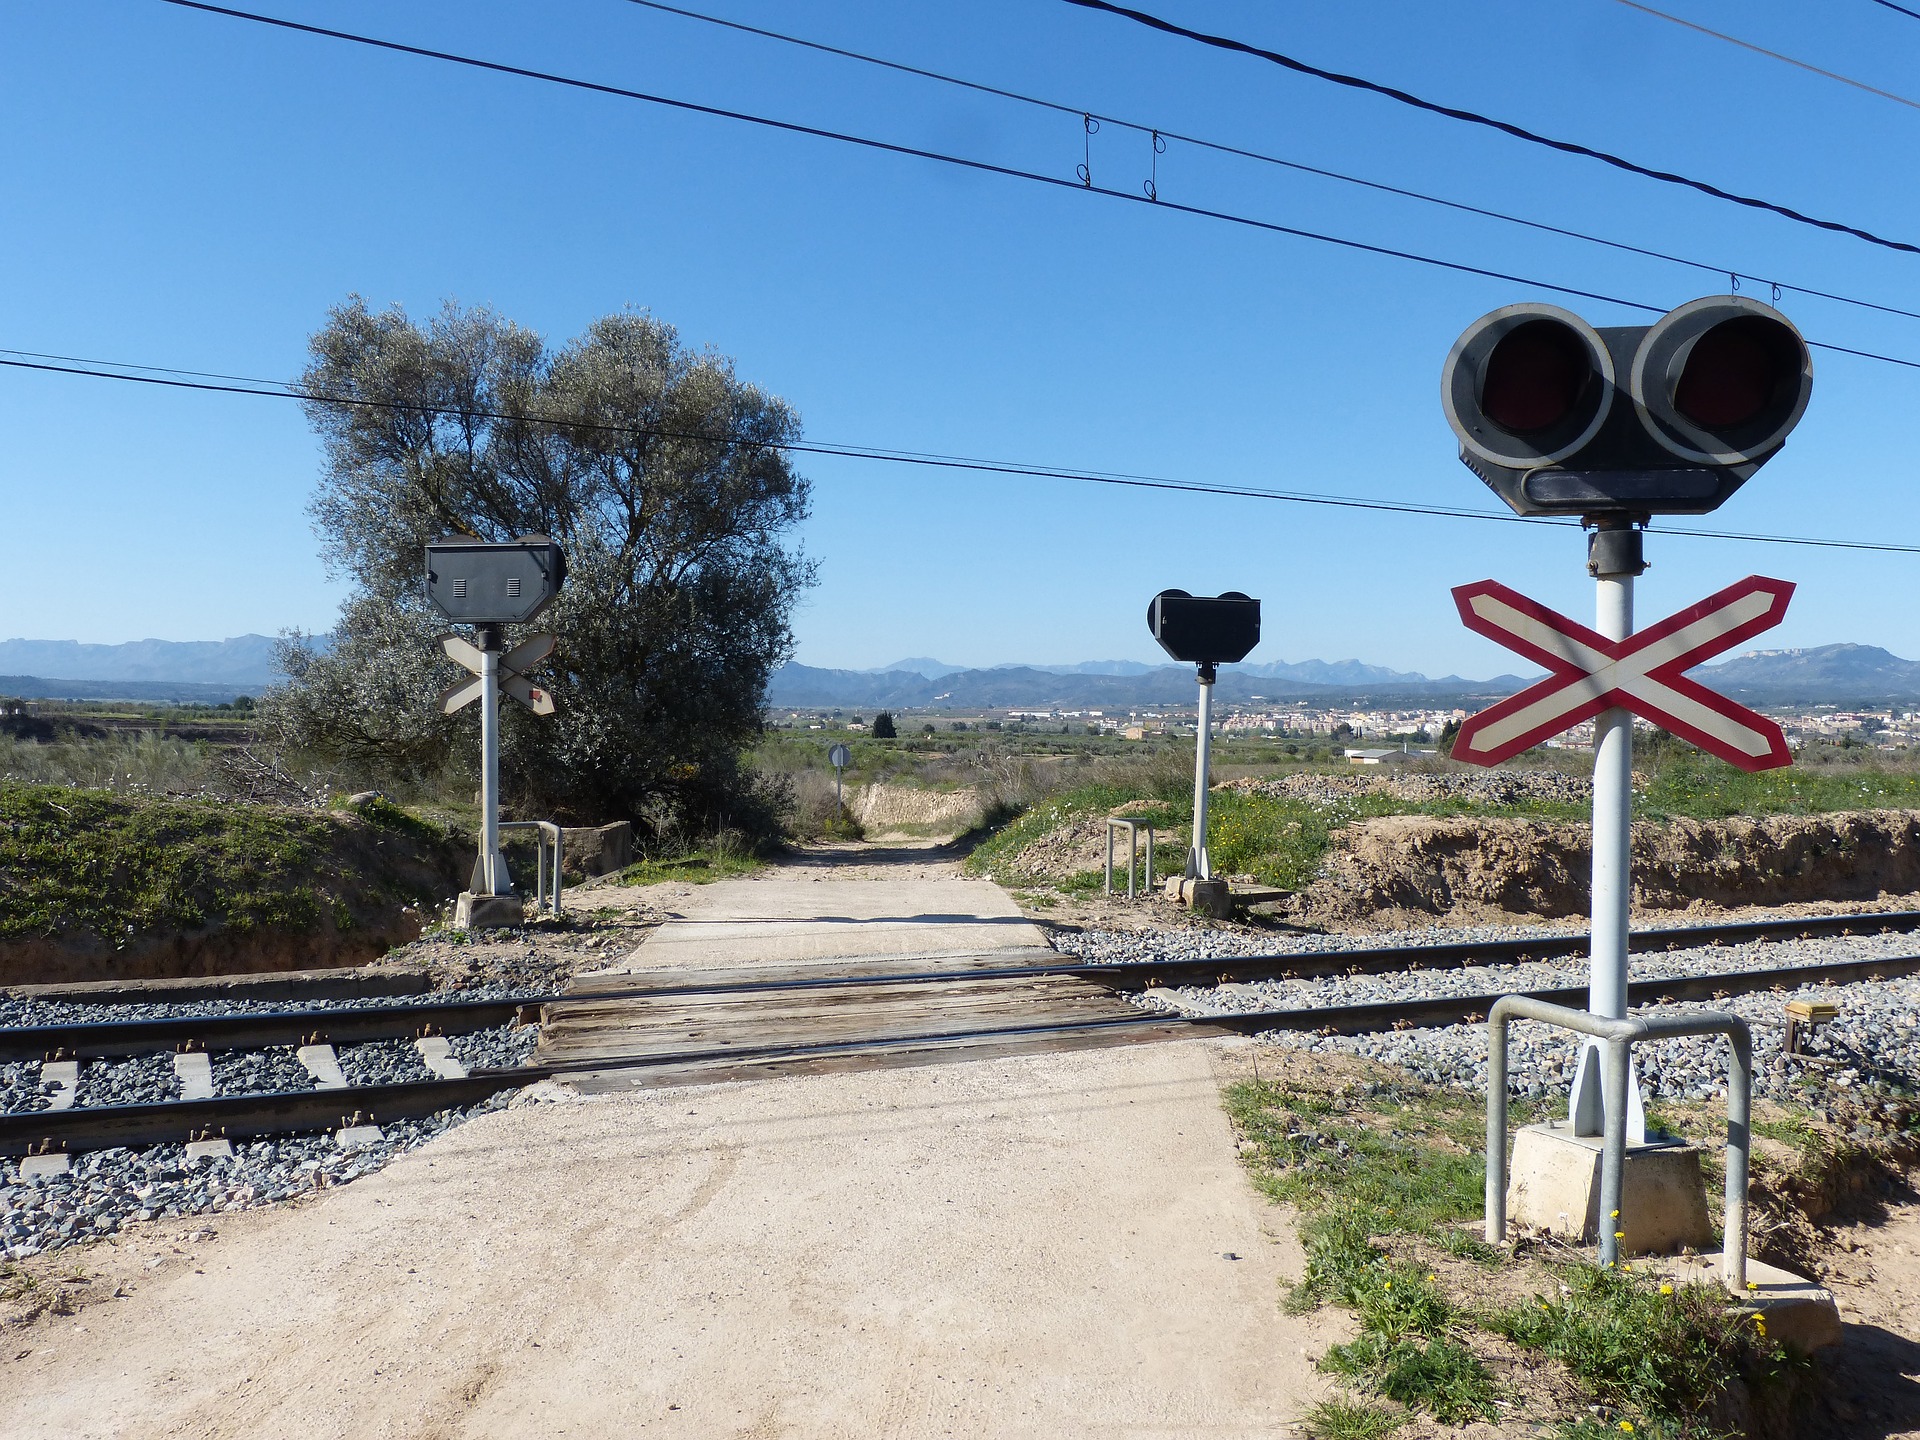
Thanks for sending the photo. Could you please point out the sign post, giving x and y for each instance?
(1609, 675)
(492, 585)
(839, 757)
(1207, 631)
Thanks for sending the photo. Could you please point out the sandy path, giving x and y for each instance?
(1030, 1246)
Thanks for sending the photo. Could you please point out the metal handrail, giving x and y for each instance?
(1618, 1038)
(543, 895)
(1133, 828)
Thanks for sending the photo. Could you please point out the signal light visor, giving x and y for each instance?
(1722, 381)
(1527, 385)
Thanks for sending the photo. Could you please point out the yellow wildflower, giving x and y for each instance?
(1666, 1289)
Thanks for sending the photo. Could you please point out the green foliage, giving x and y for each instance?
(1312, 1154)
(1699, 787)
(76, 862)
(1352, 1420)
(883, 726)
(696, 867)
(1664, 1360)
(663, 475)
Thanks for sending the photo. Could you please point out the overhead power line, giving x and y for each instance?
(1901, 9)
(1770, 54)
(1081, 112)
(227, 384)
(1473, 117)
(980, 166)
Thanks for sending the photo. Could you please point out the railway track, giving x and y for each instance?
(681, 1027)
(674, 1028)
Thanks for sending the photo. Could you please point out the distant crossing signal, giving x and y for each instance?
(1560, 418)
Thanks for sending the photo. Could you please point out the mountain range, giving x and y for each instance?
(214, 670)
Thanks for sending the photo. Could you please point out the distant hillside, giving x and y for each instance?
(1826, 674)
(245, 660)
(148, 692)
(1024, 687)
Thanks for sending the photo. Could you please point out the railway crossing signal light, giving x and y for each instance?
(1560, 418)
(479, 582)
(1203, 629)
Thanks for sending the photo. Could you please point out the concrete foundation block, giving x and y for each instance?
(488, 912)
(216, 1149)
(1553, 1184)
(1211, 898)
(55, 1163)
(1797, 1311)
(357, 1137)
(591, 850)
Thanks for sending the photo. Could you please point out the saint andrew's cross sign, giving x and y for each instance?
(1643, 673)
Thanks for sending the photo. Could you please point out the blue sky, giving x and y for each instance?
(191, 191)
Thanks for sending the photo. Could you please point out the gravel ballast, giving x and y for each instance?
(1876, 1035)
(108, 1189)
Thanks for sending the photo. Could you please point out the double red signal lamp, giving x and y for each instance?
(1560, 418)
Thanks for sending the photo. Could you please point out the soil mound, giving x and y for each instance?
(102, 886)
(1382, 871)
(892, 811)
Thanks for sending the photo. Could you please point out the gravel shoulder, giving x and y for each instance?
(1040, 1246)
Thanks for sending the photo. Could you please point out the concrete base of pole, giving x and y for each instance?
(1798, 1312)
(1554, 1185)
(1211, 898)
(488, 912)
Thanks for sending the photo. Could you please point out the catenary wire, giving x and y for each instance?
(1081, 112)
(1770, 54)
(792, 127)
(1910, 14)
(982, 166)
(1473, 117)
(227, 384)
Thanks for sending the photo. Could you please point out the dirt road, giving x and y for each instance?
(1055, 1245)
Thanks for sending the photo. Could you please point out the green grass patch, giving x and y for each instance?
(1386, 1180)
(696, 867)
(1698, 787)
(1352, 1420)
(1659, 1355)
(80, 862)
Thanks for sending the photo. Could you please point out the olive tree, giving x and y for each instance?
(662, 473)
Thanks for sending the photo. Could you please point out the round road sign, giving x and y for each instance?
(839, 757)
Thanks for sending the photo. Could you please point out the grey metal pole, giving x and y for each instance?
(490, 875)
(1733, 1254)
(1613, 1154)
(1199, 865)
(1496, 1127)
(1615, 562)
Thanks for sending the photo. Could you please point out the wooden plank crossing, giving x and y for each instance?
(658, 1027)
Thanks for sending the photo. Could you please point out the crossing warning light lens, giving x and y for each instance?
(1735, 372)
(1535, 376)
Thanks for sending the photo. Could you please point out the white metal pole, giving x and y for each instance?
(491, 877)
(1612, 875)
(1199, 866)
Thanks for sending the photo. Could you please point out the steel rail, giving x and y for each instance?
(261, 1030)
(1305, 964)
(105, 1127)
(99, 1127)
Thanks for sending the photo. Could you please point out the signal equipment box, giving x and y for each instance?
(1205, 629)
(479, 582)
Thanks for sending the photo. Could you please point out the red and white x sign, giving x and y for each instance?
(1642, 673)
